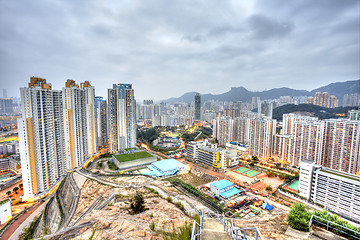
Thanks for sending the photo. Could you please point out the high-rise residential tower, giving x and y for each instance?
(41, 137)
(197, 106)
(342, 145)
(79, 122)
(121, 117)
(101, 121)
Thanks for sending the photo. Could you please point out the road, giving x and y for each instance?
(15, 229)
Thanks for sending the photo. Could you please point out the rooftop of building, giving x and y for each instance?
(167, 165)
(222, 184)
(341, 174)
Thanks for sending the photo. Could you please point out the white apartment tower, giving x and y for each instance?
(79, 123)
(261, 132)
(121, 117)
(306, 142)
(41, 137)
(223, 129)
(342, 145)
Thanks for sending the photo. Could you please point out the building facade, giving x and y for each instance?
(337, 191)
(101, 121)
(121, 116)
(197, 106)
(41, 164)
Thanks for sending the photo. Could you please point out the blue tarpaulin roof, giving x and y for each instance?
(222, 184)
(267, 206)
(230, 193)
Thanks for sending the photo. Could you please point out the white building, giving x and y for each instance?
(79, 123)
(306, 178)
(337, 191)
(5, 211)
(42, 165)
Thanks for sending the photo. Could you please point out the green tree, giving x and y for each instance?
(298, 217)
(21, 185)
(268, 188)
(138, 204)
(8, 193)
(15, 189)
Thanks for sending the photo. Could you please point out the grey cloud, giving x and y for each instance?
(264, 27)
(168, 48)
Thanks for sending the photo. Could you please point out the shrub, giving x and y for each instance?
(138, 204)
(169, 199)
(152, 226)
(179, 205)
(298, 218)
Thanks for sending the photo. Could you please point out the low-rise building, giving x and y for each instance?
(165, 167)
(224, 188)
(5, 211)
(337, 191)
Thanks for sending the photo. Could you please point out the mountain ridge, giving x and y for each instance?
(242, 94)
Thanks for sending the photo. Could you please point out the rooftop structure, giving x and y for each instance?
(165, 167)
(224, 188)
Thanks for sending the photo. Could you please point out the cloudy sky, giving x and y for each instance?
(166, 48)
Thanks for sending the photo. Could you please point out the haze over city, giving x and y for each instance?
(180, 120)
(168, 48)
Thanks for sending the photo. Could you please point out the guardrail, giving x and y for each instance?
(334, 227)
(236, 233)
(197, 227)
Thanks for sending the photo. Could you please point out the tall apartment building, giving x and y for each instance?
(241, 130)
(261, 132)
(121, 117)
(197, 106)
(79, 122)
(41, 161)
(342, 145)
(306, 142)
(323, 99)
(223, 129)
(350, 100)
(6, 106)
(335, 190)
(101, 121)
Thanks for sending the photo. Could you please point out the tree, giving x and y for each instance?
(268, 188)
(138, 204)
(15, 189)
(8, 193)
(298, 218)
(21, 185)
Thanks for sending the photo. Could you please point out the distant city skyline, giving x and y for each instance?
(166, 49)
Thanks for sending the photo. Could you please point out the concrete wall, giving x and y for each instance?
(53, 217)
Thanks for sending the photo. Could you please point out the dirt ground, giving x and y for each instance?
(274, 182)
(191, 179)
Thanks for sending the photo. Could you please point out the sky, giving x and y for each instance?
(167, 48)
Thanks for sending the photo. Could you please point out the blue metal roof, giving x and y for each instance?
(230, 193)
(222, 184)
(167, 165)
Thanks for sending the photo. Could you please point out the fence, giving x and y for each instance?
(334, 227)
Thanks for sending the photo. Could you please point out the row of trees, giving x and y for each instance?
(15, 189)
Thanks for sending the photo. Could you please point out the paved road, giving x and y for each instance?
(27, 221)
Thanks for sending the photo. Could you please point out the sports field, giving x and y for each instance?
(293, 187)
(246, 172)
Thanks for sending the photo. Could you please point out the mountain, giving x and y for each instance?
(312, 110)
(339, 89)
(242, 94)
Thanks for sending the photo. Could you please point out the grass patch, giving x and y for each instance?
(181, 233)
(112, 166)
(133, 156)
